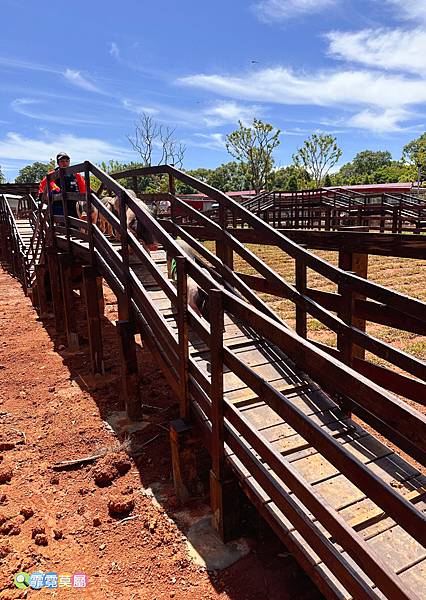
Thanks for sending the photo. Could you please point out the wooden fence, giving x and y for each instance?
(355, 384)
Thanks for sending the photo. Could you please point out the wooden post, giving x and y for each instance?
(357, 263)
(301, 284)
(122, 308)
(395, 220)
(100, 293)
(125, 304)
(40, 273)
(183, 445)
(129, 370)
(89, 213)
(64, 195)
(327, 222)
(182, 324)
(223, 249)
(223, 489)
(55, 286)
(216, 369)
(172, 192)
(65, 263)
(2, 234)
(93, 313)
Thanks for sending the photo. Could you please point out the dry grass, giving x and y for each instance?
(404, 275)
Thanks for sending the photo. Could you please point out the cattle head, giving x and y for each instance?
(143, 233)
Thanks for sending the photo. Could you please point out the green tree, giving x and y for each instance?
(327, 181)
(395, 172)
(253, 146)
(318, 155)
(291, 178)
(414, 153)
(145, 184)
(230, 177)
(201, 173)
(368, 161)
(35, 172)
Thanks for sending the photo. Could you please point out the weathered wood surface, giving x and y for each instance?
(276, 429)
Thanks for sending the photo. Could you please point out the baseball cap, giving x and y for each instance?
(61, 155)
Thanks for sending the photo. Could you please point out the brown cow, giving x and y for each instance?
(197, 297)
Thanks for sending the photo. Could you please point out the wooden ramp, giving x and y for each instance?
(404, 555)
(270, 406)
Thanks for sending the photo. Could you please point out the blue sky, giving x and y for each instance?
(75, 76)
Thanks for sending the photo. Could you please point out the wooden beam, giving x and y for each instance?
(183, 336)
(183, 445)
(65, 267)
(129, 370)
(56, 289)
(93, 313)
(41, 286)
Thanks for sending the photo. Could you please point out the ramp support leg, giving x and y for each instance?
(100, 293)
(93, 313)
(41, 299)
(55, 285)
(183, 444)
(65, 262)
(129, 369)
(224, 501)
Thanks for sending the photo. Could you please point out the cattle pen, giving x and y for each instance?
(280, 414)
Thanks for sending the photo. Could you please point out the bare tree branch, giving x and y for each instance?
(152, 139)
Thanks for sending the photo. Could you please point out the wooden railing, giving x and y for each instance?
(333, 209)
(231, 439)
(12, 248)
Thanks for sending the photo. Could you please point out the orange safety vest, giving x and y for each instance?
(55, 185)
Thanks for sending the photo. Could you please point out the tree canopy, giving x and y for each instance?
(414, 153)
(35, 172)
(368, 161)
(291, 178)
(318, 155)
(2, 177)
(253, 146)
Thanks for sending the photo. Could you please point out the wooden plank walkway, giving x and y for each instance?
(396, 547)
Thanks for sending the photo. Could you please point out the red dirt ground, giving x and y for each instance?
(51, 409)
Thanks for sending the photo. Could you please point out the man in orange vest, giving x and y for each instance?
(73, 183)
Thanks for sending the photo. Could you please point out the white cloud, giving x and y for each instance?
(114, 50)
(15, 146)
(395, 49)
(16, 63)
(76, 78)
(281, 10)
(413, 10)
(139, 109)
(283, 86)
(214, 115)
(380, 122)
(212, 141)
(229, 112)
(298, 131)
(21, 106)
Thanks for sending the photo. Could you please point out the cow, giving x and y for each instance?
(197, 297)
(103, 224)
(142, 233)
(82, 213)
